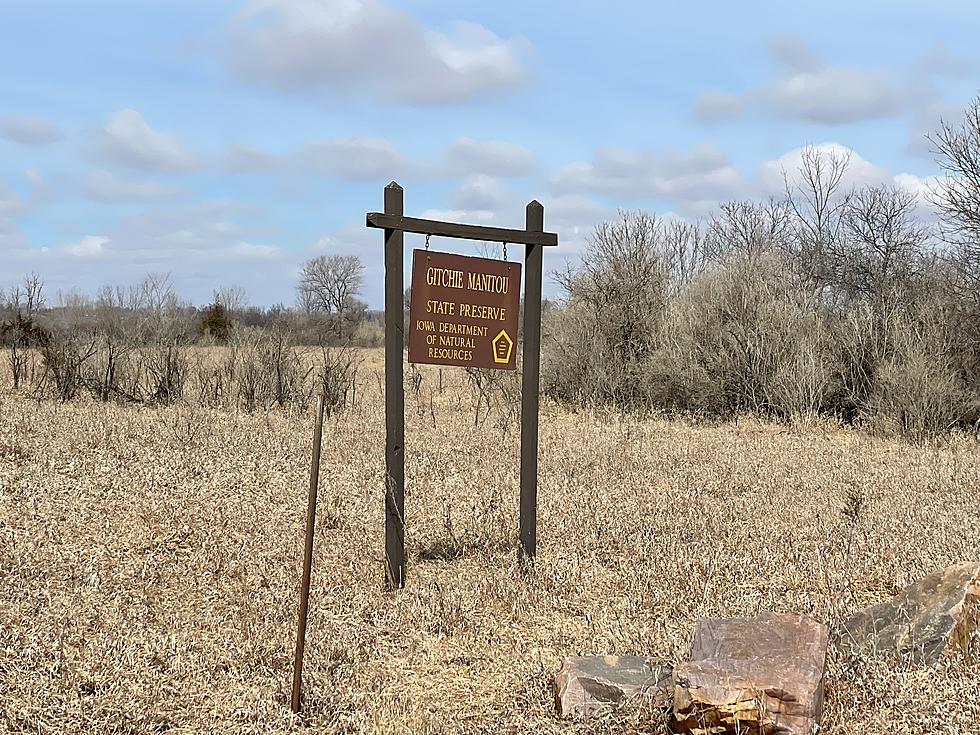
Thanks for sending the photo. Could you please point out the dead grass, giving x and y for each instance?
(149, 573)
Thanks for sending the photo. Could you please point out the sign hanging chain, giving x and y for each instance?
(427, 241)
(505, 250)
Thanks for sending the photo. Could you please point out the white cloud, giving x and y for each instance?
(202, 246)
(480, 192)
(860, 171)
(354, 158)
(258, 252)
(574, 217)
(702, 173)
(174, 231)
(468, 216)
(243, 159)
(39, 190)
(926, 123)
(815, 92)
(29, 130)
(831, 96)
(90, 246)
(364, 45)
(496, 158)
(128, 141)
(106, 187)
(921, 186)
(352, 239)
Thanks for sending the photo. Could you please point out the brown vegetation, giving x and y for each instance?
(828, 303)
(151, 510)
(149, 561)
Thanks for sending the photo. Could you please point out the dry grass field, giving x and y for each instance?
(150, 562)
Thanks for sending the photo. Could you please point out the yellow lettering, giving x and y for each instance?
(444, 277)
(440, 307)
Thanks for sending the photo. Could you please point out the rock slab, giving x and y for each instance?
(588, 684)
(940, 612)
(761, 675)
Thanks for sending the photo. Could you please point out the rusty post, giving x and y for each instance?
(304, 595)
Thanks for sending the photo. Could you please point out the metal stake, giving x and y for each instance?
(304, 595)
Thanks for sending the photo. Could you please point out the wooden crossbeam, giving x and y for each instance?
(454, 229)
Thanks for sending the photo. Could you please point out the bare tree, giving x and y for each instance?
(164, 330)
(23, 301)
(330, 284)
(231, 298)
(747, 228)
(818, 202)
(615, 305)
(958, 194)
(687, 252)
(29, 296)
(884, 245)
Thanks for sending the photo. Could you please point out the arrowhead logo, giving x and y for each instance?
(502, 346)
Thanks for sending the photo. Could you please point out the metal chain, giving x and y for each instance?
(505, 251)
(427, 241)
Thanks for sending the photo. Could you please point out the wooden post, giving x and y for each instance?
(534, 238)
(304, 595)
(394, 393)
(529, 389)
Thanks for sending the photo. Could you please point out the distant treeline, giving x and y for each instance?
(135, 344)
(859, 304)
(830, 301)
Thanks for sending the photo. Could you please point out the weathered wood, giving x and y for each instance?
(304, 595)
(394, 391)
(530, 385)
(389, 221)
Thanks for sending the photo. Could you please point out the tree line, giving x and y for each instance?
(134, 343)
(831, 301)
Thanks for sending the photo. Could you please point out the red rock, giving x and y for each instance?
(762, 675)
(939, 613)
(588, 684)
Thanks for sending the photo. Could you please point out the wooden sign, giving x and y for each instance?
(480, 309)
(464, 311)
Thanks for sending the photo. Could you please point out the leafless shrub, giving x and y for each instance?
(164, 369)
(827, 302)
(336, 374)
(735, 343)
(916, 389)
(112, 373)
(616, 301)
(21, 329)
(748, 229)
(211, 376)
(283, 370)
(64, 357)
(496, 392)
(267, 371)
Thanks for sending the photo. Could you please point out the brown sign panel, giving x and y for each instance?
(464, 311)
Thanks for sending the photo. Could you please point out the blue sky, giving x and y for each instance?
(226, 142)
